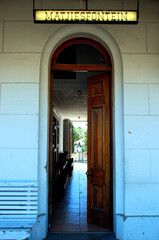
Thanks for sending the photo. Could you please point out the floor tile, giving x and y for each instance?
(57, 220)
(72, 210)
(70, 228)
(73, 205)
(74, 218)
(70, 213)
(56, 228)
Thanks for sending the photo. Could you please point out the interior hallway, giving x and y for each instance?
(70, 214)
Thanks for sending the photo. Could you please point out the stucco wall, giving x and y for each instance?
(21, 45)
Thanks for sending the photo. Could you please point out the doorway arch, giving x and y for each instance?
(90, 57)
(104, 38)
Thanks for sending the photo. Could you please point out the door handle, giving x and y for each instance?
(89, 174)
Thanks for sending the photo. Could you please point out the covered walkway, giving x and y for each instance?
(70, 213)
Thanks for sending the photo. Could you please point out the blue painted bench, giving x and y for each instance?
(18, 209)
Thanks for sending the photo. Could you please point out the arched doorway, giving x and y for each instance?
(87, 55)
(106, 39)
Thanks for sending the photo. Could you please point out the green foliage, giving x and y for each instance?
(73, 137)
(78, 134)
(85, 141)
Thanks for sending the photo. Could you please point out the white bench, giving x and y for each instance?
(18, 209)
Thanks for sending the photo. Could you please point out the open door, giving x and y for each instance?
(99, 166)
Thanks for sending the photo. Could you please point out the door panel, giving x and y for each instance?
(96, 132)
(99, 192)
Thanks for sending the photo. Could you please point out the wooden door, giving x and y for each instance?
(99, 189)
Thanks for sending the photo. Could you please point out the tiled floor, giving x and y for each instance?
(70, 214)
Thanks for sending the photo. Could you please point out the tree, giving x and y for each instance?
(78, 134)
(73, 137)
(85, 141)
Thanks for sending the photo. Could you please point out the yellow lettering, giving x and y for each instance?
(100, 16)
(94, 18)
(62, 15)
(113, 16)
(124, 16)
(57, 17)
(72, 16)
(107, 16)
(76, 15)
(48, 16)
(82, 15)
(88, 16)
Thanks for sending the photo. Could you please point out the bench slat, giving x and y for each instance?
(8, 216)
(23, 198)
(17, 212)
(17, 188)
(21, 203)
(12, 220)
(17, 207)
(22, 184)
(18, 193)
(10, 225)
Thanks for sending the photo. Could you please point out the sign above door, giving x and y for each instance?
(86, 16)
(78, 16)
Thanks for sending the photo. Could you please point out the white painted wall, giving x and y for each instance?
(19, 103)
(141, 99)
(21, 45)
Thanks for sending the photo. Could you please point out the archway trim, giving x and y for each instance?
(103, 37)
